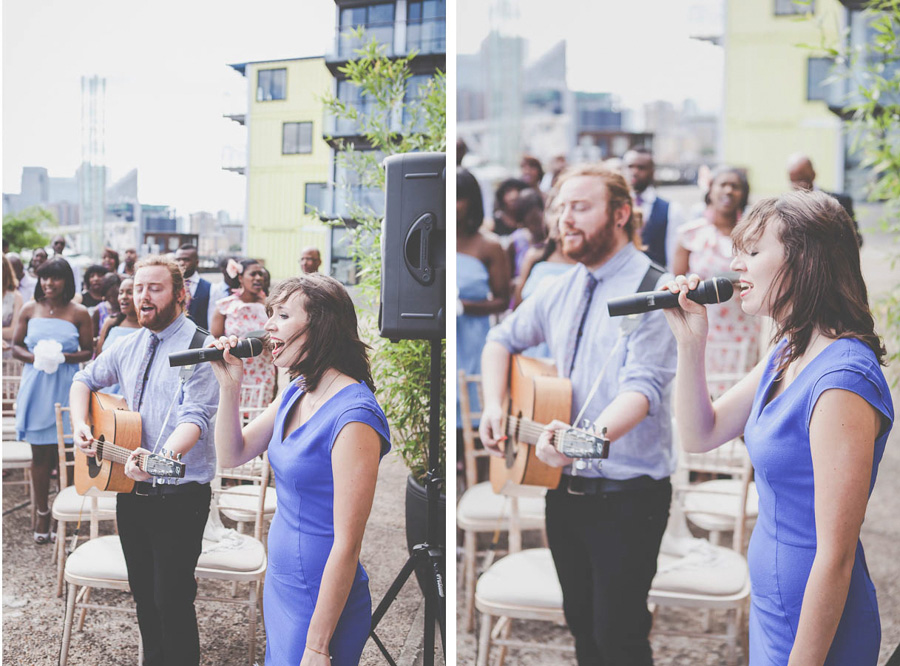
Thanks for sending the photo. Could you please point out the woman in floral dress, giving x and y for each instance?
(243, 312)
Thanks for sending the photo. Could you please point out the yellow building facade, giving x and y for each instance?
(768, 115)
(287, 162)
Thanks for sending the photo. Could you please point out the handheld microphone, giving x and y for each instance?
(715, 290)
(244, 349)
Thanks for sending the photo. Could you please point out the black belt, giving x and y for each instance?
(147, 489)
(585, 485)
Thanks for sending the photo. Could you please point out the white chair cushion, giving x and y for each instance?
(100, 558)
(704, 569)
(480, 508)
(16, 452)
(527, 578)
(715, 504)
(240, 502)
(69, 505)
(234, 552)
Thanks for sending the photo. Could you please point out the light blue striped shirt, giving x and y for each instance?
(197, 403)
(644, 362)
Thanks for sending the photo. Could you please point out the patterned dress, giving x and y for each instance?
(240, 319)
(711, 255)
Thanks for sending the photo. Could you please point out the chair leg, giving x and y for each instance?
(484, 641)
(60, 557)
(469, 579)
(67, 626)
(87, 599)
(505, 633)
(252, 629)
(732, 633)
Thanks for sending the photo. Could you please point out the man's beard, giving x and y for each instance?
(159, 318)
(595, 247)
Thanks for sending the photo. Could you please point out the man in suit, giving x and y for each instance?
(803, 177)
(198, 310)
(661, 217)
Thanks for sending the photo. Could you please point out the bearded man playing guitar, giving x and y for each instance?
(160, 524)
(604, 523)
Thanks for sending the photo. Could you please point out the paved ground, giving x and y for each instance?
(880, 532)
(33, 615)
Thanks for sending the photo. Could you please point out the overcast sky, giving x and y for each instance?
(167, 86)
(640, 51)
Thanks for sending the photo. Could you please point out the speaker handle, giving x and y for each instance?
(416, 249)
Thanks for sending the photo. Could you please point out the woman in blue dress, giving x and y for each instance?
(325, 437)
(54, 318)
(815, 415)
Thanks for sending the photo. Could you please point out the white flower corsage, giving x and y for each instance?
(48, 355)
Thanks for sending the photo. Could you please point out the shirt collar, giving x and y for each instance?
(195, 278)
(614, 264)
(648, 196)
(172, 329)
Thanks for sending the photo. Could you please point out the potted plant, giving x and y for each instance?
(401, 369)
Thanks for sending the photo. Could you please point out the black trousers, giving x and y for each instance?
(161, 537)
(605, 548)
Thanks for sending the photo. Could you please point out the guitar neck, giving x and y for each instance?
(527, 431)
(117, 454)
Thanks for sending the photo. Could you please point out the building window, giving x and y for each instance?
(416, 89)
(376, 20)
(426, 30)
(271, 84)
(314, 198)
(794, 7)
(817, 70)
(296, 138)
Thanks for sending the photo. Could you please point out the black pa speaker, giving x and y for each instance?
(414, 248)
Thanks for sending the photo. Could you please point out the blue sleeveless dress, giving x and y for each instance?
(783, 545)
(302, 531)
(471, 330)
(39, 392)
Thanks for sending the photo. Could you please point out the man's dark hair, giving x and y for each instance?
(188, 246)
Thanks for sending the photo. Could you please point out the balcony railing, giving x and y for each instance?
(425, 36)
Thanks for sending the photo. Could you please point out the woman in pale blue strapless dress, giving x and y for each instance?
(482, 279)
(815, 415)
(325, 436)
(53, 317)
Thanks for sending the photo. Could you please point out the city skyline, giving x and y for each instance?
(168, 85)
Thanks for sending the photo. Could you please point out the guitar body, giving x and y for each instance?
(538, 394)
(111, 421)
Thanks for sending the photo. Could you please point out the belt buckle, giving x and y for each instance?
(575, 481)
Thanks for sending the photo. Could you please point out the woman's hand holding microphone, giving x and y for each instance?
(688, 322)
(230, 370)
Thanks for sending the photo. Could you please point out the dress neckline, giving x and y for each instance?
(293, 403)
(767, 395)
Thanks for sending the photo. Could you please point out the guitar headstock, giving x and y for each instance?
(162, 466)
(577, 443)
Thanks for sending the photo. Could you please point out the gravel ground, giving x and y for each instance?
(33, 615)
(880, 537)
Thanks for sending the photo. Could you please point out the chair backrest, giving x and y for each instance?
(257, 472)
(252, 395)
(65, 444)
(11, 385)
(731, 361)
(468, 418)
(12, 367)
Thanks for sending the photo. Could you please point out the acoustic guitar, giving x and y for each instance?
(117, 432)
(537, 396)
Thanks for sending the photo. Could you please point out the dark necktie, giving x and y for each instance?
(144, 371)
(583, 309)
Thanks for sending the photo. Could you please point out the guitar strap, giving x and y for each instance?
(196, 342)
(648, 283)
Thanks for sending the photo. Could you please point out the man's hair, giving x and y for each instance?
(820, 285)
(57, 267)
(640, 150)
(617, 191)
(188, 246)
(9, 276)
(174, 269)
(332, 335)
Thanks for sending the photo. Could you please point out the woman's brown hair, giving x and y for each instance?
(332, 335)
(820, 286)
